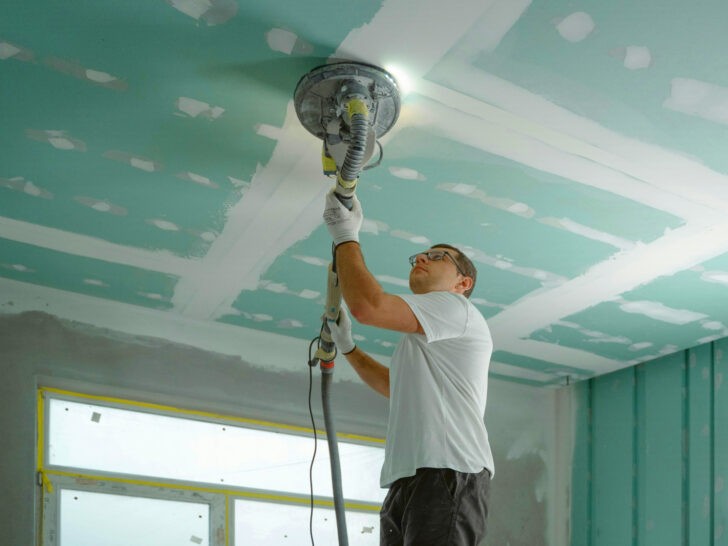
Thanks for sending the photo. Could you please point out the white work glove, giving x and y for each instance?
(343, 224)
(341, 332)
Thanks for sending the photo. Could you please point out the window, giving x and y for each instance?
(142, 472)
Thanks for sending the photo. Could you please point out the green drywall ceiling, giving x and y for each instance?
(28, 263)
(610, 329)
(589, 78)
(561, 372)
(157, 142)
(442, 161)
(619, 333)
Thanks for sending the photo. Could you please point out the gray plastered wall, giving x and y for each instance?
(528, 426)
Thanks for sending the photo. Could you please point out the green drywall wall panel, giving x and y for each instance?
(612, 459)
(659, 410)
(720, 432)
(699, 403)
(581, 465)
(668, 420)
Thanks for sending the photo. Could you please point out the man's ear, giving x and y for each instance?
(465, 284)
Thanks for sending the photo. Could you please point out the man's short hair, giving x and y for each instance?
(465, 264)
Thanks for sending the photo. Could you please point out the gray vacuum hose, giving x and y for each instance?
(354, 160)
(355, 153)
(326, 376)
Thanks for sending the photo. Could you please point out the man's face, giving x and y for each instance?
(435, 275)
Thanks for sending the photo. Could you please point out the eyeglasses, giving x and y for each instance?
(435, 256)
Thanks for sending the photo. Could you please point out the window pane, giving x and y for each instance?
(264, 524)
(124, 441)
(91, 519)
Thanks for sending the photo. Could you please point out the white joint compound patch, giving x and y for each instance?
(15, 52)
(197, 179)
(60, 140)
(8, 50)
(658, 311)
(20, 184)
(307, 294)
(196, 108)
(289, 323)
(164, 225)
(268, 131)
(241, 184)
(585, 231)
(640, 346)
(312, 260)
(257, 317)
(18, 267)
(151, 296)
(720, 277)
(595, 336)
(713, 325)
(282, 40)
(502, 203)
(285, 41)
(546, 278)
(373, 226)
(97, 77)
(142, 163)
(637, 57)
(411, 237)
(698, 98)
(633, 57)
(100, 205)
(576, 27)
(213, 12)
(276, 287)
(281, 288)
(406, 173)
(207, 236)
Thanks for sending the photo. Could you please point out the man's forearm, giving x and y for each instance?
(373, 373)
(358, 286)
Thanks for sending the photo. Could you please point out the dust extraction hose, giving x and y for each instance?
(354, 161)
(346, 181)
(326, 377)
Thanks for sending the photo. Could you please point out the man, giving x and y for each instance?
(438, 463)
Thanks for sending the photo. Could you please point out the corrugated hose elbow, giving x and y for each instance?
(355, 154)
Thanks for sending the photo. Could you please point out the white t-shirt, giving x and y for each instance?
(438, 386)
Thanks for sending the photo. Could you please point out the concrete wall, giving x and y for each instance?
(530, 428)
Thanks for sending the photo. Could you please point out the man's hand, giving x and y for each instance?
(341, 332)
(343, 224)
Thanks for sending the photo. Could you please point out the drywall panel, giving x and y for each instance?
(659, 454)
(580, 497)
(699, 444)
(612, 459)
(720, 453)
(659, 411)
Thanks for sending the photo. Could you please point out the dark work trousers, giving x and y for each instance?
(436, 507)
